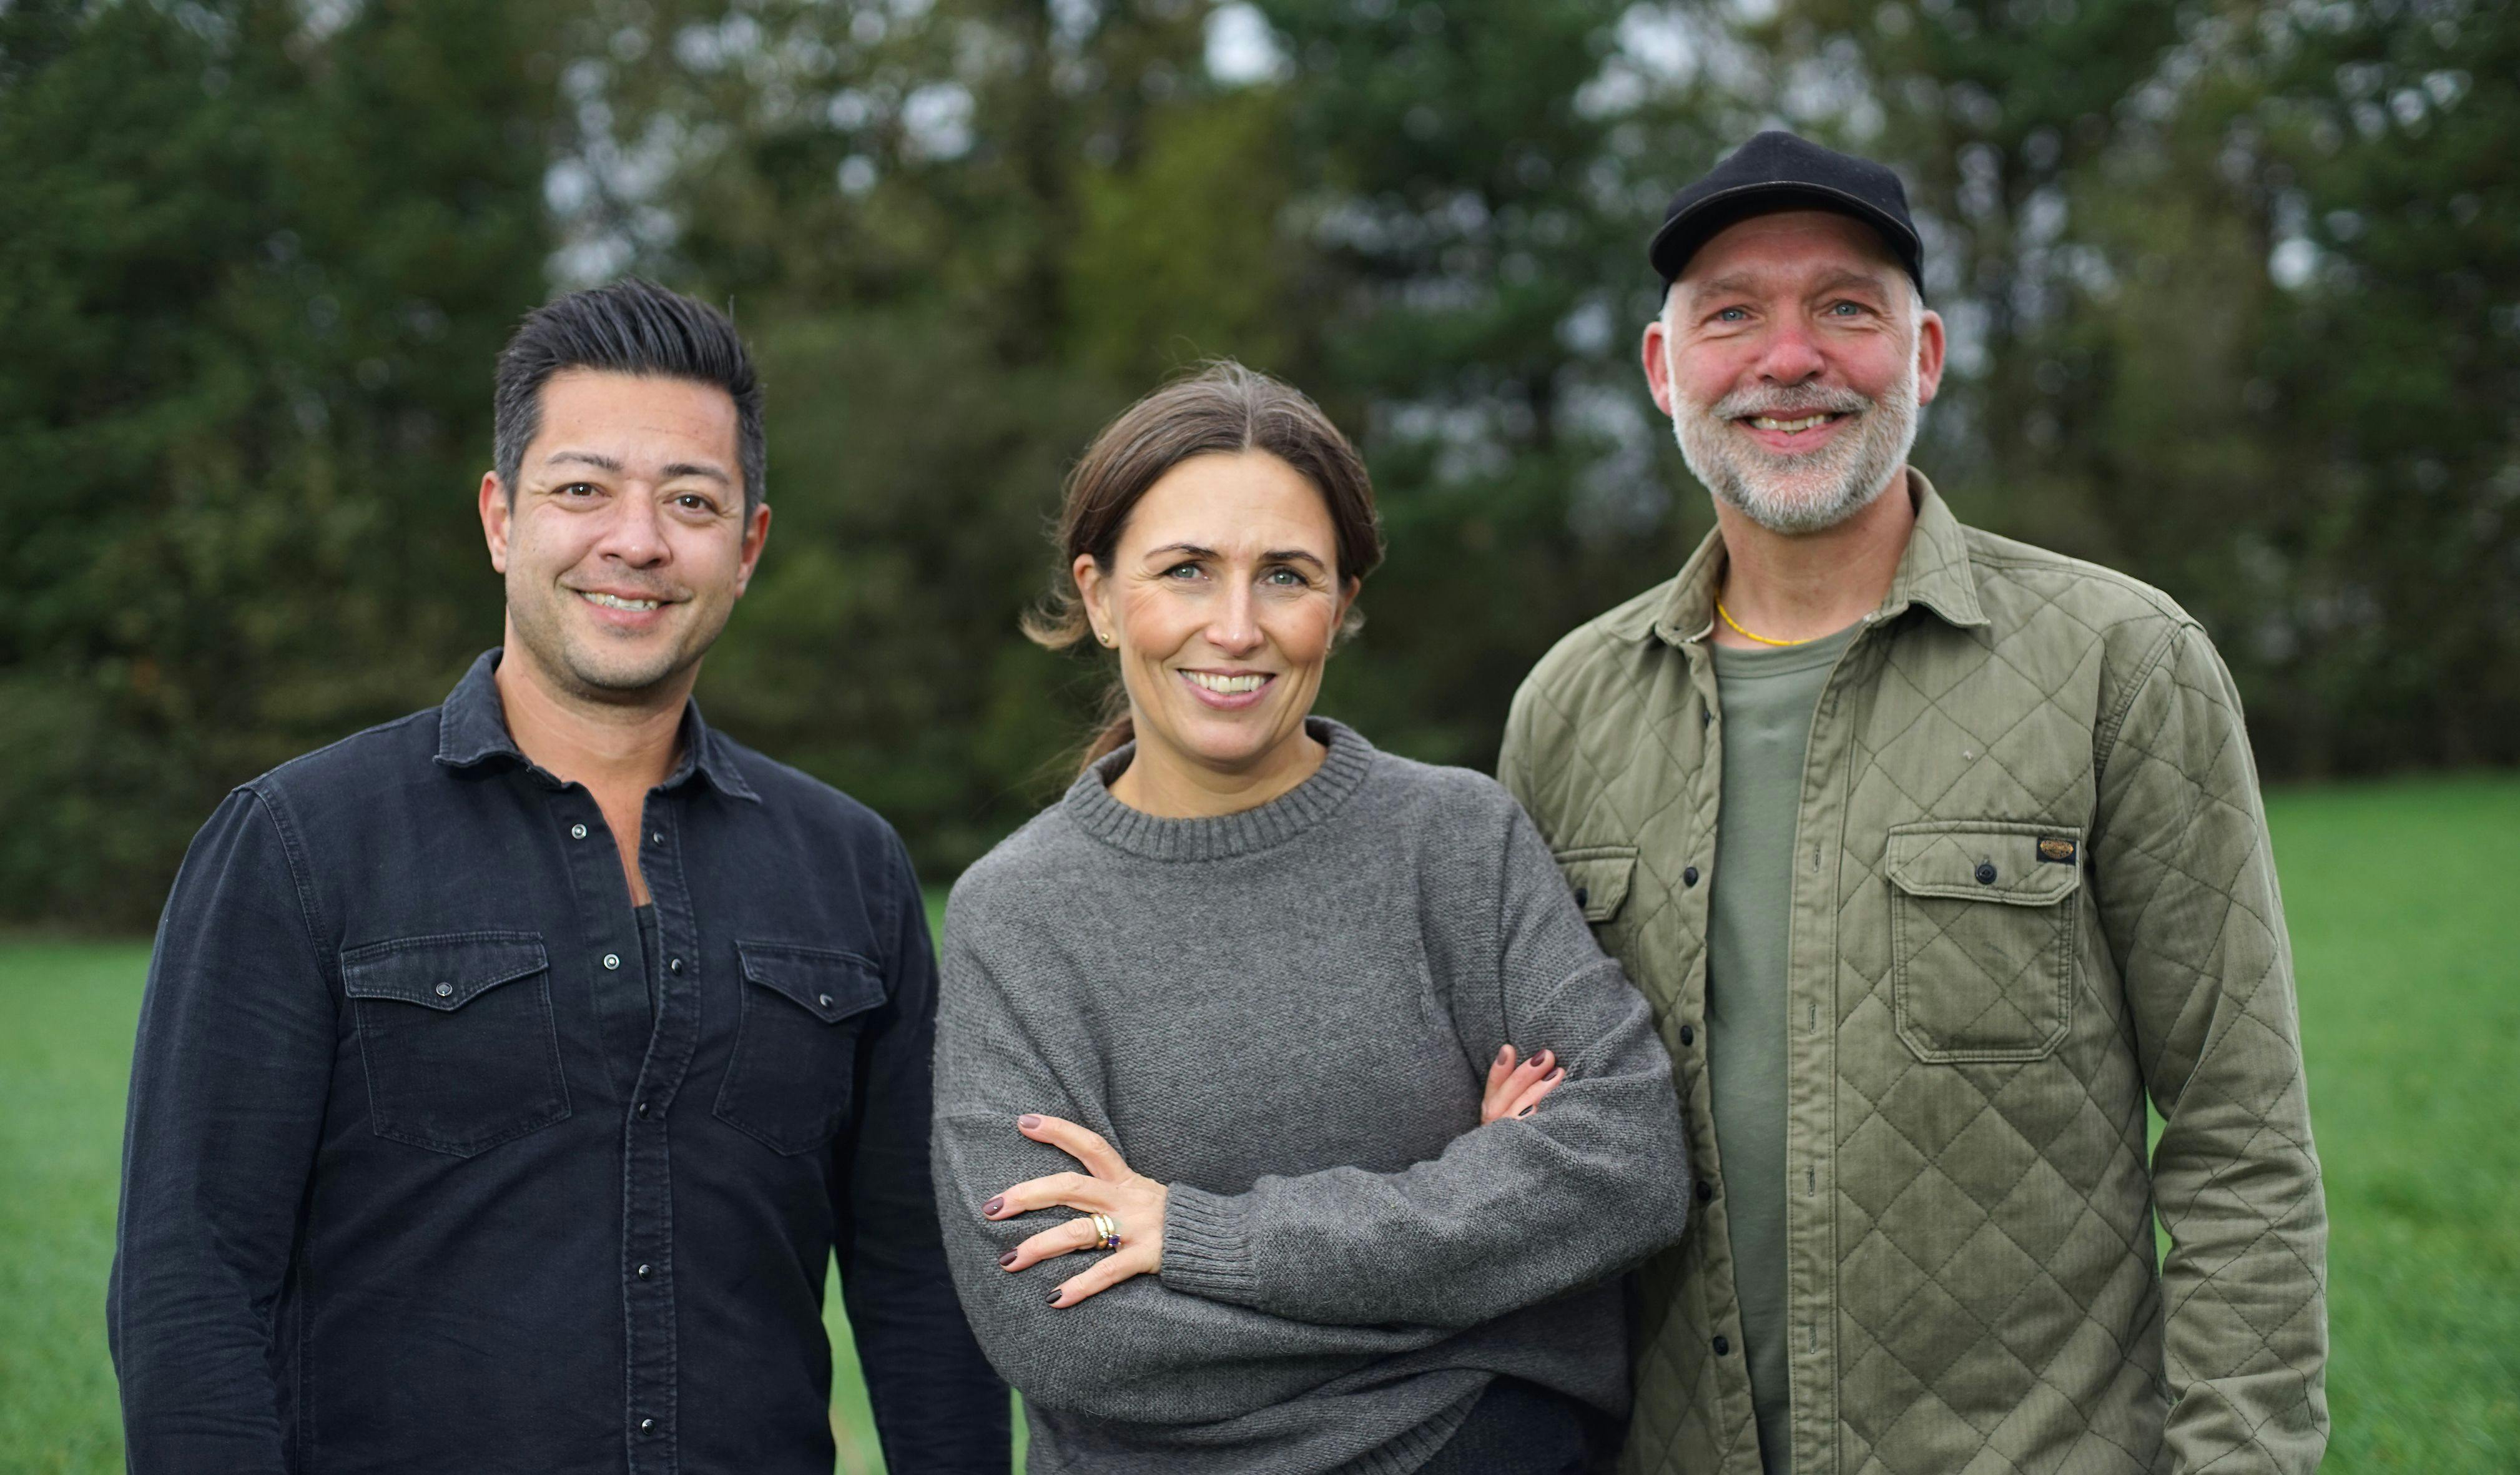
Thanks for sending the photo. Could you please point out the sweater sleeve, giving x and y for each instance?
(1141, 1352)
(1511, 1213)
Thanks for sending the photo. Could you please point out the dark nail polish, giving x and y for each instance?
(1027, 1121)
(1007, 1259)
(1503, 1055)
(1054, 1298)
(1559, 1074)
(994, 1204)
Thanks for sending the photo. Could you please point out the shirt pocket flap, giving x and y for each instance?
(829, 984)
(2022, 864)
(1598, 876)
(441, 972)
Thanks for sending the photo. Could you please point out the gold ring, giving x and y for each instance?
(1106, 1231)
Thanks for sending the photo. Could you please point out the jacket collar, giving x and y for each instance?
(1934, 570)
(473, 730)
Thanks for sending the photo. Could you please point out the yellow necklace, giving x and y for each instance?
(1727, 618)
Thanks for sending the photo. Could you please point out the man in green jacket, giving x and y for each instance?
(1938, 857)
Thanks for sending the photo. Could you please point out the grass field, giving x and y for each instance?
(2404, 900)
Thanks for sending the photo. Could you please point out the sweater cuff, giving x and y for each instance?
(1207, 1247)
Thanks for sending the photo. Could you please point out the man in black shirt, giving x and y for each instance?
(508, 1074)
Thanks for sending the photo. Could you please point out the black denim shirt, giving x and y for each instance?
(415, 1178)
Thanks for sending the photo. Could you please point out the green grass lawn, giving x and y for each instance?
(2405, 924)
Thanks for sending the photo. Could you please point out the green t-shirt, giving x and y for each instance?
(1767, 697)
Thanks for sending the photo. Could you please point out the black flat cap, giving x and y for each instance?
(1778, 171)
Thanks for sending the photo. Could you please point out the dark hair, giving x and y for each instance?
(627, 327)
(1220, 409)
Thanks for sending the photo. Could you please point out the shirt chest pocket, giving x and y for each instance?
(457, 1039)
(788, 1082)
(1983, 918)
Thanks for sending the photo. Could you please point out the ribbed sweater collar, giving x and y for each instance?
(1089, 803)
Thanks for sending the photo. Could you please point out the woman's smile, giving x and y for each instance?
(1228, 690)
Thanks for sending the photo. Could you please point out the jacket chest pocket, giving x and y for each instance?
(457, 1038)
(788, 1082)
(1983, 917)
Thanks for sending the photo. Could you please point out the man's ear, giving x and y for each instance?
(757, 532)
(1929, 355)
(1657, 356)
(498, 509)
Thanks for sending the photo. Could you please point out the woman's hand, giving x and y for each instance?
(1514, 1090)
(1136, 1206)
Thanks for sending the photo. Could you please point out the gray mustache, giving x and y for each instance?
(1790, 402)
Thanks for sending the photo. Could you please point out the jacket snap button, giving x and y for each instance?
(1583, 897)
(646, 1426)
(646, 1271)
(611, 961)
(1722, 1345)
(577, 831)
(1705, 1191)
(446, 991)
(1689, 877)
(643, 1111)
(674, 966)
(1688, 1036)
(1984, 874)
(825, 1000)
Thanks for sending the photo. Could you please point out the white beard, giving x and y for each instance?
(1809, 491)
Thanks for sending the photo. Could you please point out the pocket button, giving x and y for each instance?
(1986, 873)
(446, 991)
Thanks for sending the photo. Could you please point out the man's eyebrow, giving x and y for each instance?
(1742, 282)
(1839, 281)
(668, 473)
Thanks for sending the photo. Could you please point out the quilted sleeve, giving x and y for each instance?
(2186, 886)
(1532, 725)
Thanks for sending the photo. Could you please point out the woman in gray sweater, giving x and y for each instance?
(1237, 1167)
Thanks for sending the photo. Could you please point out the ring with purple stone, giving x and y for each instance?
(1107, 1232)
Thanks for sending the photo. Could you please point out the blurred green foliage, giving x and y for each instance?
(2234, 290)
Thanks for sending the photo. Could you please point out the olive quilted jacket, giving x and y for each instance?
(2033, 890)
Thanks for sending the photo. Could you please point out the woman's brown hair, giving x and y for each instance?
(1222, 409)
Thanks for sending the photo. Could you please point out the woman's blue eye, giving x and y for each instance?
(1286, 576)
(1179, 570)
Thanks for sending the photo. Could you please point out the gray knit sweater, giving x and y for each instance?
(1285, 1015)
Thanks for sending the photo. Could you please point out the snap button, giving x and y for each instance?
(1688, 876)
(577, 831)
(825, 1000)
(646, 1271)
(446, 991)
(642, 1110)
(611, 961)
(1688, 1036)
(1705, 1191)
(656, 837)
(1583, 897)
(649, 1425)
(673, 966)
(1984, 872)
(1722, 1345)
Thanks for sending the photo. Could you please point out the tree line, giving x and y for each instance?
(2234, 291)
